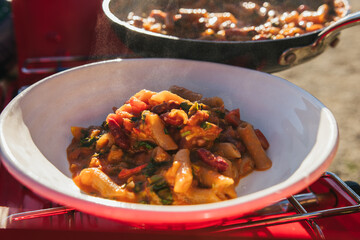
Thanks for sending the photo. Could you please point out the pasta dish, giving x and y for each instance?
(173, 147)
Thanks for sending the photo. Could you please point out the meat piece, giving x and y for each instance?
(175, 117)
(198, 117)
(185, 93)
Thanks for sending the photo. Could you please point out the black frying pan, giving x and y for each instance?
(263, 55)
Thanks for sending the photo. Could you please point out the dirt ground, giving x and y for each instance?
(334, 79)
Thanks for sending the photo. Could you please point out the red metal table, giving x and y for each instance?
(325, 210)
(328, 209)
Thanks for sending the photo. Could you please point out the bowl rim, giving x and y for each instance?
(183, 212)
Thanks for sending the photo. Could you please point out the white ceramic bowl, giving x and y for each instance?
(35, 132)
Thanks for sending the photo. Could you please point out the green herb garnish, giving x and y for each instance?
(184, 134)
(138, 187)
(143, 115)
(160, 186)
(134, 119)
(105, 125)
(205, 125)
(155, 178)
(147, 145)
(220, 114)
(152, 167)
(194, 108)
(185, 106)
(165, 196)
(87, 141)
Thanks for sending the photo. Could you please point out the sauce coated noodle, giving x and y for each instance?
(162, 148)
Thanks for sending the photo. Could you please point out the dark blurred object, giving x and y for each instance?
(354, 186)
(52, 36)
(263, 55)
(7, 41)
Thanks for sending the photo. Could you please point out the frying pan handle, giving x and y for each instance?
(298, 55)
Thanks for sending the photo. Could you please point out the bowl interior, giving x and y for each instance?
(35, 131)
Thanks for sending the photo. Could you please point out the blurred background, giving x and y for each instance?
(334, 79)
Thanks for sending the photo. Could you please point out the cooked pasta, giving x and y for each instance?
(170, 147)
(253, 145)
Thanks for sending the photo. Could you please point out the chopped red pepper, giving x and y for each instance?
(213, 160)
(264, 142)
(121, 139)
(128, 124)
(233, 117)
(137, 106)
(125, 173)
(116, 117)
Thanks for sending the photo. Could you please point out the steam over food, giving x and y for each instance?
(170, 147)
(234, 20)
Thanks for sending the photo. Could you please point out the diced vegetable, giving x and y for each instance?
(160, 155)
(157, 132)
(125, 173)
(121, 139)
(227, 150)
(212, 160)
(233, 117)
(77, 132)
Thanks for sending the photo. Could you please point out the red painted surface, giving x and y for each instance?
(46, 28)
(61, 28)
(17, 198)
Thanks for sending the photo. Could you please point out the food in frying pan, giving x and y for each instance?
(234, 20)
(167, 148)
